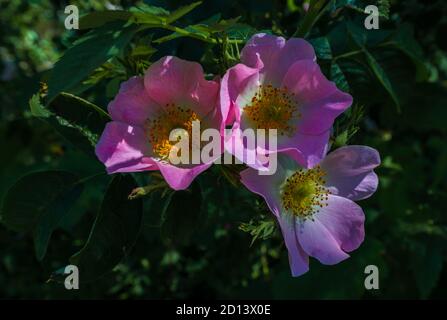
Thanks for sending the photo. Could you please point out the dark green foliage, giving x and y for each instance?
(87, 54)
(182, 215)
(114, 232)
(38, 202)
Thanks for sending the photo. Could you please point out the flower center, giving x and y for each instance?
(159, 129)
(303, 193)
(273, 108)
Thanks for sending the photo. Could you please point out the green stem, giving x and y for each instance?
(355, 52)
(143, 191)
(347, 54)
(85, 179)
(316, 11)
(185, 33)
(188, 34)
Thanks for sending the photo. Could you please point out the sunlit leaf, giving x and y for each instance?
(322, 48)
(87, 54)
(180, 12)
(338, 77)
(98, 18)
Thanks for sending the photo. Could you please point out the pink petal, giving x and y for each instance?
(233, 83)
(298, 259)
(267, 186)
(294, 50)
(173, 80)
(319, 101)
(180, 178)
(237, 146)
(337, 228)
(261, 52)
(250, 88)
(132, 104)
(307, 150)
(123, 148)
(349, 171)
(274, 55)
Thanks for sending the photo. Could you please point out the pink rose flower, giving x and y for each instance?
(279, 86)
(314, 207)
(172, 94)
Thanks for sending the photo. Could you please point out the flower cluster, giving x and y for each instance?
(278, 85)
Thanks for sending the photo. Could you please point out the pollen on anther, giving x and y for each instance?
(304, 193)
(158, 129)
(273, 108)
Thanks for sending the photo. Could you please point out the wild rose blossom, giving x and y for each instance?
(314, 207)
(172, 94)
(278, 85)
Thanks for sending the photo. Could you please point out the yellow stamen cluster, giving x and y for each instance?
(159, 129)
(273, 108)
(303, 193)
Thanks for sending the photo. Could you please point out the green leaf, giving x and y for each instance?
(360, 38)
(384, 8)
(338, 77)
(112, 87)
(98, 18)
(316, 9)
(87, 54)
(427, 261)
(347, 126)
(76, 136)
(211, 20)
(322, 48)
(106, 71)
(182, 215)
(148, 19)
(77, 120)
(79, 112)
(358, 34)
(240, 31)
(154, 10)
(382, 77)
(180, 12)
(114, 232)
(143, 51)
(359, 6)
(404, 40)
(341, 139)
(224, 24)
(205, 29)
(37, 109)
(259, 229)
(195, 31)
(149, 15)
(38, 202)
